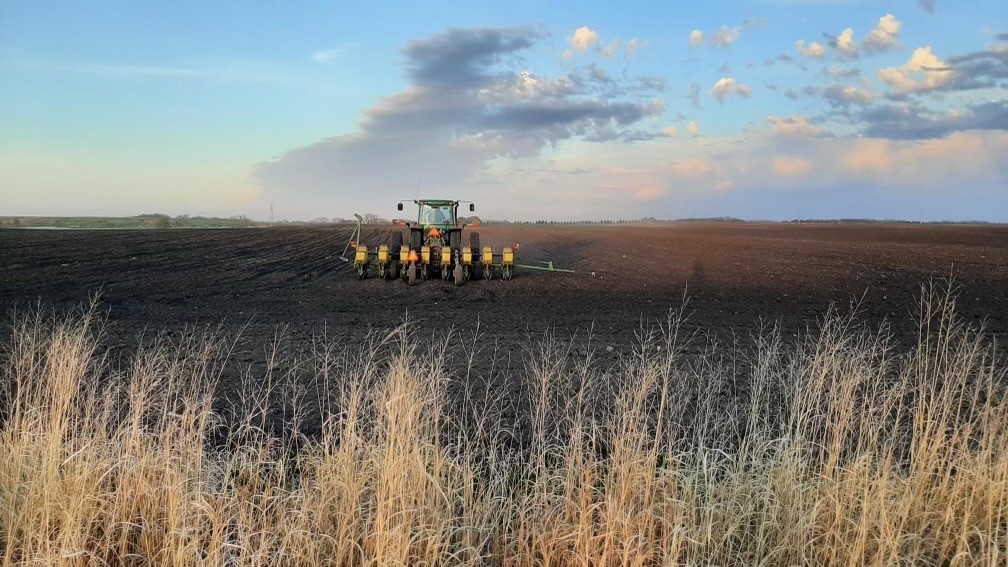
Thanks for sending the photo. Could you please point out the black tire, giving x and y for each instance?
(435, 257)
(477, 252)
(455, 242)
(416, 240)
(394, 245)
(411, 274)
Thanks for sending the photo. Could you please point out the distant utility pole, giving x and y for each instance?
(271, 212)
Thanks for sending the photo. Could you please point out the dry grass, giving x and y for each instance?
(834, 451)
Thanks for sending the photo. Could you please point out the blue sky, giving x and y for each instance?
(888, 109)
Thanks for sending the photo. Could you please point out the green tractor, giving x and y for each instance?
(434, 248)
(435, 243)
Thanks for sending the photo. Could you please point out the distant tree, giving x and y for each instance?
(320, 220)
(163, 222)
(17, 221)
(371, 218)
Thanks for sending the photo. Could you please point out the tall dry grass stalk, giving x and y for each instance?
(835, 450)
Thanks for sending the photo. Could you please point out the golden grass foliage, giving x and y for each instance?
(835, 450)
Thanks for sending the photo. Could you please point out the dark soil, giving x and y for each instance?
(737, 277)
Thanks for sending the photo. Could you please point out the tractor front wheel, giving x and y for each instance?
(411, 274)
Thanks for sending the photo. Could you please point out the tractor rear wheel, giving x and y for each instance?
(416, 240)
(394, 246)
(477, 255)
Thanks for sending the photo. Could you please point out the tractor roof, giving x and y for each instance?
(437, 201)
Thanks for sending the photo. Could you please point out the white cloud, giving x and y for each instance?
(924, 71)
(884, 37)
(795, 126)
(814, 49)
(725, 36)
(610, 50)
(327, 55)
(632, 46)
(581, 40)
(669, 131)
(727, 86)
(526, 85)
(846, 94)
(696, 37)
(845, 43)
(693, 129)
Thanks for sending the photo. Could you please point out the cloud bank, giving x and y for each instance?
(468, 102)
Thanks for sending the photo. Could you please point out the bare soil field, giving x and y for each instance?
(733, 273)
(737, 277)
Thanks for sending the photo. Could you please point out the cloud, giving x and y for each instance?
(693, 167)
(462, 108)
(884, 37)
(693, 129)
(327, 55)
(725, 36)
(814, 49)
(694, 94)
(795, 126)
(632, 46)
(927, 5)
(791, 166)
(726, 86)
(931, 163)
(585, 38)
(846, 175)
(581, 40)
(977, 70)
(912, 121)
(669, 131)
(844, 95)
(844, 43)
(841, 73)
(923, 72)
(629, 48)
(609, 51)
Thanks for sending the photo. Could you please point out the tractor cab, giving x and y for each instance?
(437, 213)
(442, 215)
